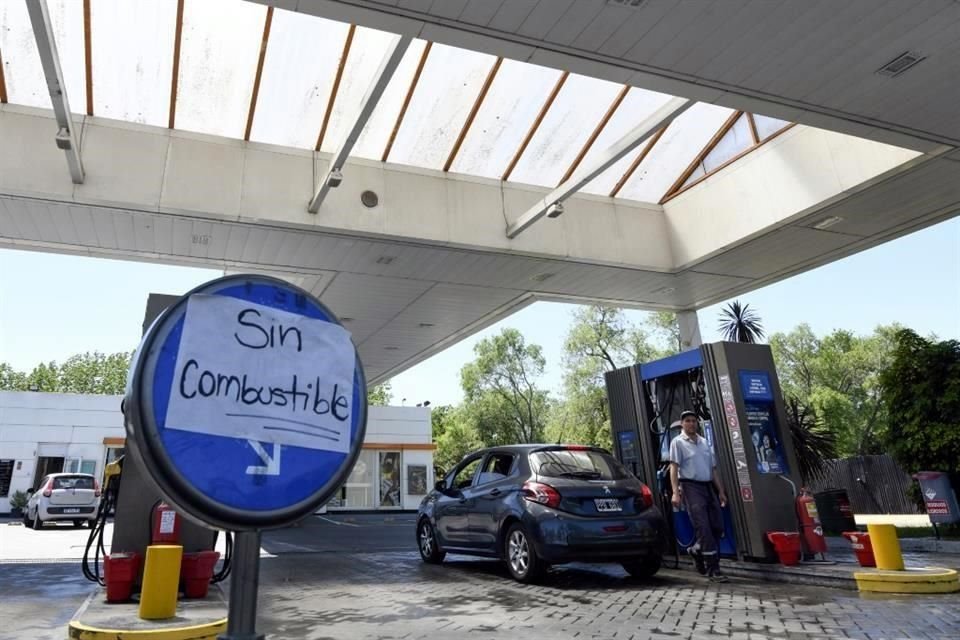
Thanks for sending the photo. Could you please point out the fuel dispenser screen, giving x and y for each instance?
(762, 422)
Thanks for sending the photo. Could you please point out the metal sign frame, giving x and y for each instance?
(145, 438)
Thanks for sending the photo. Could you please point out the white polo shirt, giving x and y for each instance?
(694, 458)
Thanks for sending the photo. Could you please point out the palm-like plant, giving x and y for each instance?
(812, 443)
(740, 324)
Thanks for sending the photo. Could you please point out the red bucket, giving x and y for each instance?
(787, 546)
(196, 570)
(861, 547)
(119, 572)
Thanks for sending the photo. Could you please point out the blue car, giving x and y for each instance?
(537, 505)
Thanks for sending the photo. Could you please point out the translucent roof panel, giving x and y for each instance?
(686, 136)
(366, 53)
(568, 124)
(512, 104)
(23, 73)
(737, 140)
(448, 87)
(766, 127)
(637, 105)
(373, 139)
(132, 59)
(219, 51)
(298, 71)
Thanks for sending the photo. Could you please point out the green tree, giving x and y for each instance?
(44, 378)
(380, 395)
(457, 440)
(11, 379)
(837, 377)
(94, 373)
(921, 390)
(440, 419)
(665, 329)
(599, 340)
(503, 403)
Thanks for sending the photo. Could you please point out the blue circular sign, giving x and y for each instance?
(247, 403)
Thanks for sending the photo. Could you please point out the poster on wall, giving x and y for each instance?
(763, 434)
(417, 479)
(390, 479)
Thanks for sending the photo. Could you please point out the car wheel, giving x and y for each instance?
(27, 522)
(77, 524)
(427, 543)
(643, 567)
(37, 522)
(522, 559)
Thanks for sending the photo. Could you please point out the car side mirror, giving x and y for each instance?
(440, 486)
(29, 491)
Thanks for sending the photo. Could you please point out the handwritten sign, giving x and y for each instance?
(244, 370)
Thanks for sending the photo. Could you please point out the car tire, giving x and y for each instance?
(37, 522)
(643, 567)
(27, 522)
(520, 555)
(427, 543)
(78, 524)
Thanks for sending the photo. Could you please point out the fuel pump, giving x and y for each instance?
(733, 389)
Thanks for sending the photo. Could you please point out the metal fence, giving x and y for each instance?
(874, 484)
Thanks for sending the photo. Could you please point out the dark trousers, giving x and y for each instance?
(703, 506)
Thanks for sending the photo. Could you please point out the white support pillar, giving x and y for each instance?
(689, 329)
(552, 204)
(333, 177)
(50, 61)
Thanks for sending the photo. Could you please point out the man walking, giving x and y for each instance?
(693, 476)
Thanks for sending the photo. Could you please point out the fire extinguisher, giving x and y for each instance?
(164, 524)
(811, 533)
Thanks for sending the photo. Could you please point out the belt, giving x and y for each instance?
(706, 483)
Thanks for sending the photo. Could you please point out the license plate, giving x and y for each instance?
(71, 510)
(607, 504)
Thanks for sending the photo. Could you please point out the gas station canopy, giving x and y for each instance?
(427, 168)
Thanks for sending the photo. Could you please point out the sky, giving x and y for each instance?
(53, 306)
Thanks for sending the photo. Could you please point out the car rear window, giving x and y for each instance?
(73, 482)
(569, 463)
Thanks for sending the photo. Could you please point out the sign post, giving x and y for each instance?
(247, 405)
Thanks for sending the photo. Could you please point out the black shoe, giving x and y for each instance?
(698, 561)
(716, 576)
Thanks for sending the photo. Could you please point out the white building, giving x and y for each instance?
(43, 433)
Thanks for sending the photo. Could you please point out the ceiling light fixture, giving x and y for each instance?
(391, 348)
(828, 222)
(555, 210)
(370, 199)
(386, 259)
(664, 290)
(540, 277)
(426, 325)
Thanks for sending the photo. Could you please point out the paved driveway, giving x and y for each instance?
(360, 577)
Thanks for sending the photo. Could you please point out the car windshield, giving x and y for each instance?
(567, 463)
(73, 482)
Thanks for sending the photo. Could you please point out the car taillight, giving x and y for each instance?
(48, 490)
(576, 447)
(96, 489)
(645, 500)
(541, 493)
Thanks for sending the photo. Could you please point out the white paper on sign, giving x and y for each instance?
(249, 371)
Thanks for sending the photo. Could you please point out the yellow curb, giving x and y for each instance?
(206, 631)
(926, 580)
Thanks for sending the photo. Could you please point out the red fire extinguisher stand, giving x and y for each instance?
(811, 532)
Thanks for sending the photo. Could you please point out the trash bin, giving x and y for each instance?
(836, 515)
(787, 546)
(119, 571)
(938, 496)
(196, 569)
(860, 542)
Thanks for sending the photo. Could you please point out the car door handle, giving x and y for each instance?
(495, 492)
(462, 500)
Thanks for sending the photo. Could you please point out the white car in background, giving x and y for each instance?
(70, 497)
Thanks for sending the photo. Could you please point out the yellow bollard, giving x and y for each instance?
(161, 582)
(886, 546)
